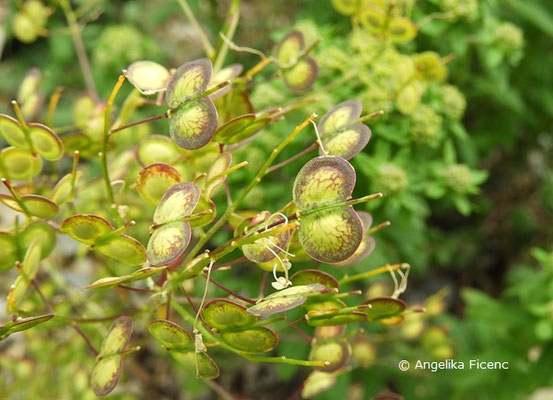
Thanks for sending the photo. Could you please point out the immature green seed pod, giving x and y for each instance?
(37, 12)
(24, 29)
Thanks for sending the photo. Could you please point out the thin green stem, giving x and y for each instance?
(208, 47)
(104, 153)
(368, 274)
(229, 29)
(293, 158)
(52, 105)
(79, 48)
(16, 197)
(24, 126)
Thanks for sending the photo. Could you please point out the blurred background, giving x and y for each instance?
(464, 159)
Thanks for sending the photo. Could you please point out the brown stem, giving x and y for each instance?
(293, 158)
(143, 121)
(233, 262)
(219, 285)
(44, 300)
(133, 289)
(190, 302)
(80, 49)
(86, 339)
(263, 284)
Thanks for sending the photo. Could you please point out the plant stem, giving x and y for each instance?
(293, 158)
(16, 197)
(379, 227)
(221, 391)
(229, 263)
(52, 105)
(24, 126)
(133, 289)
(79, 48)
(143, 121)
(221, 286)
(368, 274)
(208, 48)
(42, 297)
(232, 17)
(104, 153)
(86, 339)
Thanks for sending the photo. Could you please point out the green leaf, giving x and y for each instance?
(147, 76)
(190, 79)
(226, 315)
(154, 180)
(254, 340)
